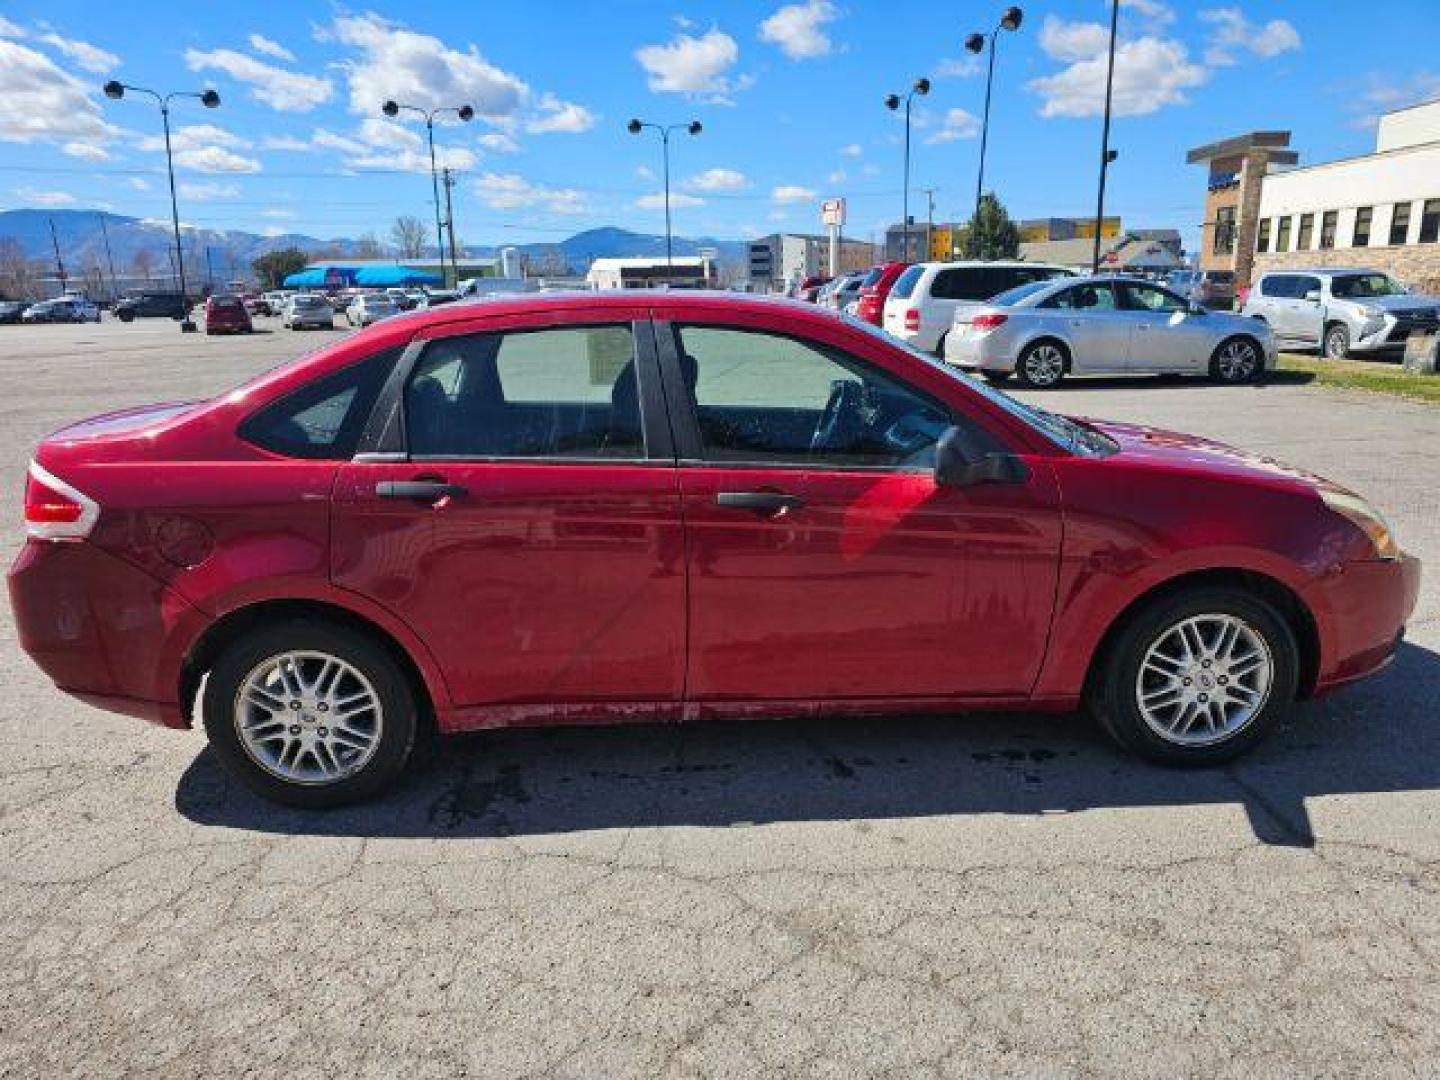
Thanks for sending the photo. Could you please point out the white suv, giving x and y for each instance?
(1340, 310)
(924, 300)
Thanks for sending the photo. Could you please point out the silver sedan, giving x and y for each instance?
(1046, 330)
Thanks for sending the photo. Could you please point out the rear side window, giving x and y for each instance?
(323, 419)
(1277, 285)
(905, 283)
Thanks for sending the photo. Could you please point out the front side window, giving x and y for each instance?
(1327, 228)
(1262, 238)
(1430, 221)
(760, 397)
(1363, 217)
(569, 392)
(1149, 298)
(1307, 228)
(1282, 234)
(323, 419)
(1399, 223)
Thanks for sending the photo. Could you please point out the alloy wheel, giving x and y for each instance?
(1044, 365)
(308, 717)
(1337, 344)
(1204, 679)
(1237, 361)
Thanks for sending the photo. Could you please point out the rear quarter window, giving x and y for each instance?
(321, 420)
(905, 283)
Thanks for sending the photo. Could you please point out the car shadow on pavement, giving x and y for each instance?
(1166, 382)
(1377, 737)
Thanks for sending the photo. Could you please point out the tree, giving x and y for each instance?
(272, 268)
(17, 273)
(367, 247)
(408, 236)
(991, 234)
(144, 262)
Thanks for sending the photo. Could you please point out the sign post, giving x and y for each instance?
(832, 215)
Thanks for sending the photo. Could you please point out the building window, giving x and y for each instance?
(1307, 227)
(1225, 230)
(1327, 228)
(1399, 223)
(1430, 222)
(1361, 236)
(1262, 238)
(1282, 235)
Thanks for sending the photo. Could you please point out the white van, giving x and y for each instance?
(922, 303)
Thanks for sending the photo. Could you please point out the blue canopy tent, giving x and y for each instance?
(371, 276)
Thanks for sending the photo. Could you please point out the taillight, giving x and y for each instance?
(54, 510)
(988, 320)
(912, 318)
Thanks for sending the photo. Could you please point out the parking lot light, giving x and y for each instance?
(892, 102)
(115, 90)
(1010, 19)
(635, 127)
(393, 109)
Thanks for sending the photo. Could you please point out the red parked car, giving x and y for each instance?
(808, 289)
(225, 314)
(875, 289)
(597, 509)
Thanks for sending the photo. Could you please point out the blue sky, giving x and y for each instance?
(790, 95)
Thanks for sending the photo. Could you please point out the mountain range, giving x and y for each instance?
(82, 241)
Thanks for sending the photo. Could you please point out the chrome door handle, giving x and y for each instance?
(765, 503)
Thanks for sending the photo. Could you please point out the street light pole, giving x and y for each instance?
(115, 90)
(693, 128)
(975, 43)
(464, 112)
(892, 102)
(1106, 154)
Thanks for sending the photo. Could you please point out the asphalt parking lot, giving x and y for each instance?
(953, 896)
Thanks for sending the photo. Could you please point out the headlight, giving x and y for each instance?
(1366, 518)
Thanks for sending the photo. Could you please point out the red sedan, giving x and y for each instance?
(611, 508)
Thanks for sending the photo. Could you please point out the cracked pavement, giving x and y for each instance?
(906, 897)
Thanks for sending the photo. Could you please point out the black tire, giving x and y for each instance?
(395, 692)
(1336, 344)
(1114, 696)
(1037, 365)
(995, 378)
(1237, 360)
(126, 316)
(940, 347)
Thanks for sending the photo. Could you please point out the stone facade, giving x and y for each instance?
(1417, 265)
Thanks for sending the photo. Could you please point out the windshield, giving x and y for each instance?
(1352, 286)
(1061, 430)
(1010, 297)
(308, 301)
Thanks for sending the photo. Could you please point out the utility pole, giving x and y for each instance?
(449, 182)
(109, 258)
(59, 263)
(929, 221)
(1106, 154)
(209, 269)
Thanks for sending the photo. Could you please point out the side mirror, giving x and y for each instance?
(960, 463)
(1313, 296)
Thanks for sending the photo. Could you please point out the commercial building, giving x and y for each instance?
(777, 260)
(1379, 210)
(1138, 251)
(681, 272)
(946, 239)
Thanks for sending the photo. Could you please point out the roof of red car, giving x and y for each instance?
(663, 299)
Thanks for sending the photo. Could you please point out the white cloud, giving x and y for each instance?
(272, 231)
(201, 192)
(86, 151)
(1150, 72)
(644, 172)
(10, 29)
(791, 193)
(509, 191)
(384, 144)
(1157, 13)
(90, 57)
(799, 29)
(852, 150)
(691, 65)
(1385, 90)
(957, 124)
(678, 200)
(262, 44)
(961, 68)
(139, 183)
(282, 90)
(41, 103)
(278, 215)
(1232, 33)
(45, 198)
(839, 176)
(499, 142)
(284, 142)
(554, 115)
(418, 69)
(719, 180)
(215, 159)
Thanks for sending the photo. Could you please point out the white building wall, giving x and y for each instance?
(1409, 127)
(1376, 180)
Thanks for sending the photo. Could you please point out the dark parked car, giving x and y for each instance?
(226, 314)
(11, 310)
(605, 509)
(152, 305)
(54, 311)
